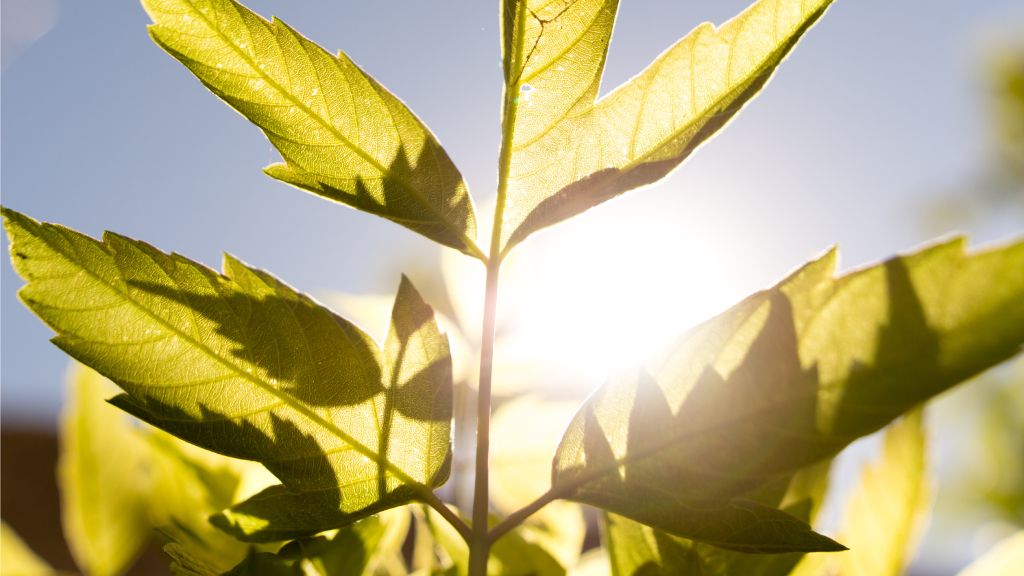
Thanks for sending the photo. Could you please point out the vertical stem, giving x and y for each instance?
(480, 545)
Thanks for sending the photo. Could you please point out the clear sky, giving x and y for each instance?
(879, 110)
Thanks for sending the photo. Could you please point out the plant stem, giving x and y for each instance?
(517, 517)
(480, 545)
(437, 504)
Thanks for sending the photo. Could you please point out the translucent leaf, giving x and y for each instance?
(638, 549)
(243, 365)
(104, 478)
(563, 152)
(1004, 559)
(341, 134)
(885, 515)
(788, 377)
(17, 559)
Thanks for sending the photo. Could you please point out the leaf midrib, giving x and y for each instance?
(415, 193)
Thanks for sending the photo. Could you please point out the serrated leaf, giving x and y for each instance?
(342, 135)
(243, 365)
(636, 549)
(17, 559)
(104, 478)
(566, 152)
(1004, 559)
(788, 377)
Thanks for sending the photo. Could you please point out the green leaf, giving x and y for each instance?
(104, 478)
(638, 549)
(345, 552)
(17, 559)
(788, 377)
(564, 152)
(1004, 559)
(243, 365)
(885, 515)
(342, 135)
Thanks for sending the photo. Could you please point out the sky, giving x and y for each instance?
(878, 112)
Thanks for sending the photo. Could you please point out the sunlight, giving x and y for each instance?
(578, 303)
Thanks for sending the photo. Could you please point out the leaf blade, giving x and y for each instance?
(342, 135)
(646, 127)
(790, 376)
(312, 381)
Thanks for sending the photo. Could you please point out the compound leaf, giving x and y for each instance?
(104, 499)
(786, 378)
(564, 152)
(342, 135)
(243, 365)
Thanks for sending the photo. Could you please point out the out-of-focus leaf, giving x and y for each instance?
(1004, 559)
(265, 564)
(17, 559)
(512, 555)
(342, 135)
(788, 377)
(344, 552)
(593, 562)
(243, 365)
(564, 152)
(524, 437)
(885, 514)
(104, 478)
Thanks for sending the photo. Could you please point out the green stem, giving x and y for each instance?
(480, 545)
(437, 504)
(517, 517)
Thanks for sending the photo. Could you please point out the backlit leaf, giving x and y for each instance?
(243, 365)
(565, 151)
(17, 559)
(341, 134)
(788, 377)
(104, 478)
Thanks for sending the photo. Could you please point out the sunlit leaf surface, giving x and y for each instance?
(341, 134)
(17, 559)
(243, 365)
(566, 151)
(787, 377)
(636, 549)
(103, 477)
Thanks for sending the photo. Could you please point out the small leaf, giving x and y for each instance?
(342, 135)
(17, 559)
(567, 152)
(1004, 559)
(104, 479)
(788, 377)
(345, 552)
(243, 365)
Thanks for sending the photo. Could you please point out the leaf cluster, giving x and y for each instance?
(712, 459)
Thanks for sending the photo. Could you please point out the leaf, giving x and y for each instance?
(342, 135)
(243, 365)
(345, 552)
(886, 513)
(788, 377)
(563, 152)
(17, 559)
(104, 478)
(638, 549)
(1004, 559)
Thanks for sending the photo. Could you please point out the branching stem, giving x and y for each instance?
(517, 517)
(437, 504)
